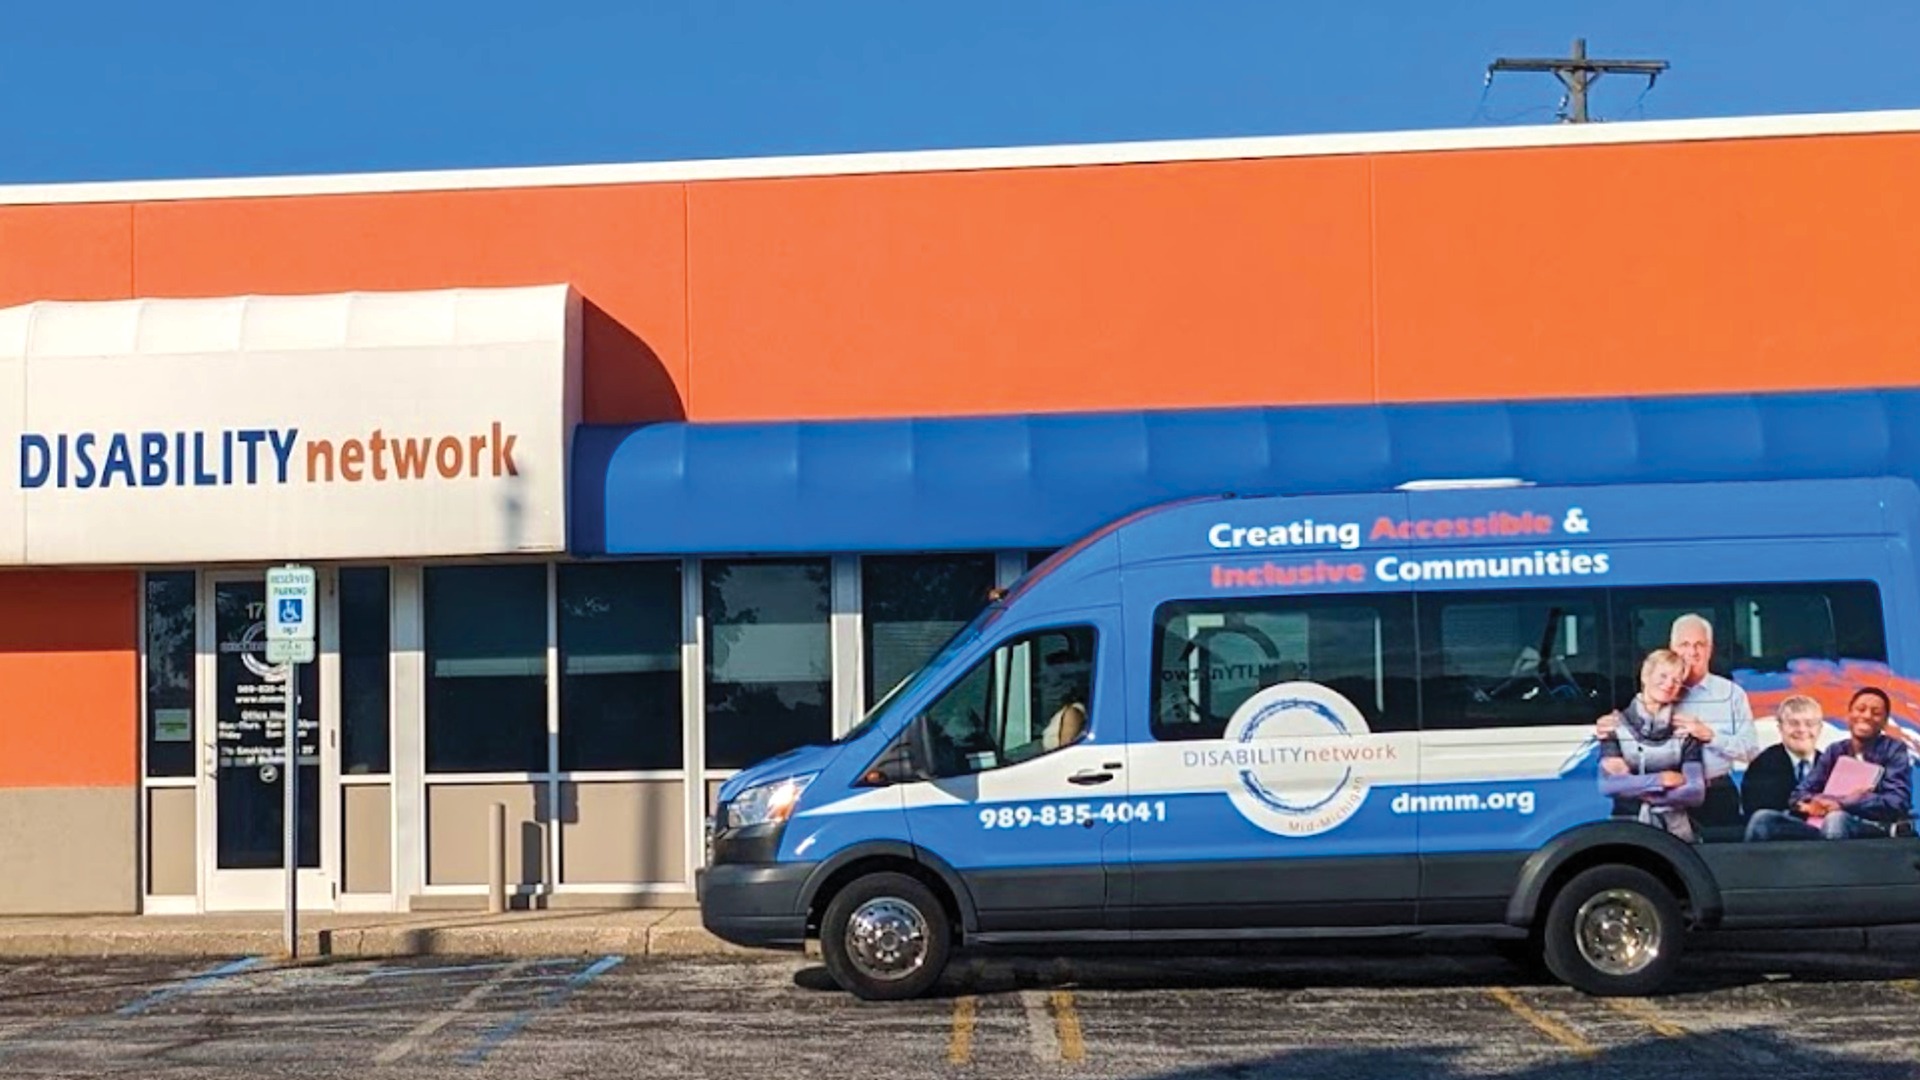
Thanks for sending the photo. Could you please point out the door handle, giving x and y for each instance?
(1088, 776)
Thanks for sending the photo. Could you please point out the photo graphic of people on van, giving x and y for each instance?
(1711, 710)
(1651, 758)
(1801, 787)
(1858, 788)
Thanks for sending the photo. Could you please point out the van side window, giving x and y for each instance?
(1761, 627)
(1513, 659)
(1213, 655)
(1029, 697)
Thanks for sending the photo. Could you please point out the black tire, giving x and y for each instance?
(892, 896)
(1641, 907)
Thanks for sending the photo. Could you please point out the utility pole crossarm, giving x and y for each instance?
(1578, 72)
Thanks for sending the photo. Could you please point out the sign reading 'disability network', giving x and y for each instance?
(439, 429)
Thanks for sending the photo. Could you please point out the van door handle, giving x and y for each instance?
(1088, 776)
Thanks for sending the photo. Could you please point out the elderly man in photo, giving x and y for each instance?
(1715, 712)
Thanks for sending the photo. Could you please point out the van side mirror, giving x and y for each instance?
(906, 759)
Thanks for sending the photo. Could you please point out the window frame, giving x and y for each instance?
(1430, 608)
(998, 724)
(544, 764)
(1390, 608)
(707, 636)
(675, 762)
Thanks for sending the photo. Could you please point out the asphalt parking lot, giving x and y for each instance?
(1370, 1013)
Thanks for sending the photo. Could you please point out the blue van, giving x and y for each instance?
(1548, 713)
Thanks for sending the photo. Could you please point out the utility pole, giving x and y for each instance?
(1577, 73)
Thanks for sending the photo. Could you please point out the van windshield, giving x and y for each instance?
(960, 640)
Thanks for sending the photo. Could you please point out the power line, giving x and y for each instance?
(1577, 73)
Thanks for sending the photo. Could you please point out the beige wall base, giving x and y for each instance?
(69, 851)
(561, 902)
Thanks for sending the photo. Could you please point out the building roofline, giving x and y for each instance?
(972, 159)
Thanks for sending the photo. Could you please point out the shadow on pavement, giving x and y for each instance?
(1344, 965)
(1754, 1051)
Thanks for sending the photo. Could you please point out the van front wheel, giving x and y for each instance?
(886, 937)
(1613, 931)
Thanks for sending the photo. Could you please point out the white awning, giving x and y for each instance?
(255, 428)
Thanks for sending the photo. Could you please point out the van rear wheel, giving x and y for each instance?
(1614, 931)
(886, 937)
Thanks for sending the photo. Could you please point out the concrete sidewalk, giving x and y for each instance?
(627, 932)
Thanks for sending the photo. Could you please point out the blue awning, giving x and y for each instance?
(1043, 480)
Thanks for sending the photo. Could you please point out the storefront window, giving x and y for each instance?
(911, 605)
(365, 638)
(486, 638)
(620, 666)
(769, 672)
(170, 658)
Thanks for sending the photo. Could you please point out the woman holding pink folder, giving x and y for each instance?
(1856, 790)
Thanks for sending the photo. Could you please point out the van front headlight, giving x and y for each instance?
(766, 803)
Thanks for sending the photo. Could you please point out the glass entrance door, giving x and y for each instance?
(243, 751)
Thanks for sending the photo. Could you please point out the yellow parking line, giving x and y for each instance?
(1645, 1013)
(1545, 1025)
(1911, 986)
(1067, 1022)
(960, 1043)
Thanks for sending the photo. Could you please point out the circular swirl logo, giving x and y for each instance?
(1300, 744)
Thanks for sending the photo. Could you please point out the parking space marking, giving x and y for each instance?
(1072, 1046)
(1647, 1015)
(167, 993)
(460, 969)
(1644, 1012)
(1041, 1038)
(17, 972)
(1911, 986)
(496, 1036)
(960, 1042)
(1544, 1024)
(406, 1044)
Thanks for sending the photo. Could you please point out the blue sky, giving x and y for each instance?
(122, 89)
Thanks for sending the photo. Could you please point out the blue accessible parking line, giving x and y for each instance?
(497, 1035)
(189, 986)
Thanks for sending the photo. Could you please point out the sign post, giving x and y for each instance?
(290, 621)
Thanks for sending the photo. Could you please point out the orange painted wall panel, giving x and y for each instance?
(1727, 265)
(623, 248)
(65, 253)
(69, 679)
(1756, 265)
(1036, 290)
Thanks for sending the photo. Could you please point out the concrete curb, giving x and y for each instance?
(665, 935)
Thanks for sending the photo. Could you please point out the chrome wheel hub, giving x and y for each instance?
(1618, 932)
(887, 938)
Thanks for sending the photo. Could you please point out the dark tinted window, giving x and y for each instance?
(486, 638)
(170, 656)
(365, 690)
(1215, 654)
(911, 605)
(620, 666)
(1514, 658)
(1761, 627)
(1029, 697)
(769, 658)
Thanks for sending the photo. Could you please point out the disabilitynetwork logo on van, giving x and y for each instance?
(239, 457)
(1289, 777)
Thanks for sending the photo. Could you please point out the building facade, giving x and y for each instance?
(621, 478)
